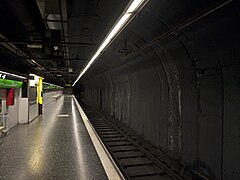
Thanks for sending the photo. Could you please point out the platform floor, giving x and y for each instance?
(51, 147)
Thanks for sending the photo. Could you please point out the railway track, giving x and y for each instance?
(132, 158)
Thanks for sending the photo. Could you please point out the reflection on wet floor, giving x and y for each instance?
(51, 147)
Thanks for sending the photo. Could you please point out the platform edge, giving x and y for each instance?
(109, 165)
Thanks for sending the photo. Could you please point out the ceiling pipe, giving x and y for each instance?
(71, 59)
(25, 42)
(13, 49)
(61, 16)
(55, 20)
(184, 25)
(27, 13)
(31, 62)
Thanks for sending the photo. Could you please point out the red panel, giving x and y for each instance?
(10, 97)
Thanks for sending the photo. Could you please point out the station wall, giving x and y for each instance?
(10, 112)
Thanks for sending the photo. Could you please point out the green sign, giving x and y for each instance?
(68, 85)
(52, 87)
(6, 83)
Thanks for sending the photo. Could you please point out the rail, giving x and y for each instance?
(133, 159)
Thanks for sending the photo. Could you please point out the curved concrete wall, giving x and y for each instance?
(181, 93)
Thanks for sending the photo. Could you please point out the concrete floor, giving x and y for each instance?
(51, 147)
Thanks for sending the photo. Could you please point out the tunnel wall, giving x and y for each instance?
(181, 94)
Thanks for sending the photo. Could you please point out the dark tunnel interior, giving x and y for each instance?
(172, 74)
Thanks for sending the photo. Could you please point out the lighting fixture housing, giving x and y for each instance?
(14, 75)
(129, 13)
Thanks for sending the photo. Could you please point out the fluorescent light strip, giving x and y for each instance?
(135, 4)
(125, 17)
(14, 75)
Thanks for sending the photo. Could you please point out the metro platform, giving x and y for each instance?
(56, 145)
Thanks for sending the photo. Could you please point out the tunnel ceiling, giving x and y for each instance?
(24, 35)
(161, 24)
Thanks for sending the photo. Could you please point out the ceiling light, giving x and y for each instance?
(34, 46)
(33, 61)
(70, 69)
(124, 19)
(135, 4)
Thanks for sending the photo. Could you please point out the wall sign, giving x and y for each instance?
(6, 83)
(3, 76)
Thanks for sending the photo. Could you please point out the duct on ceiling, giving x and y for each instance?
(56, 18)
